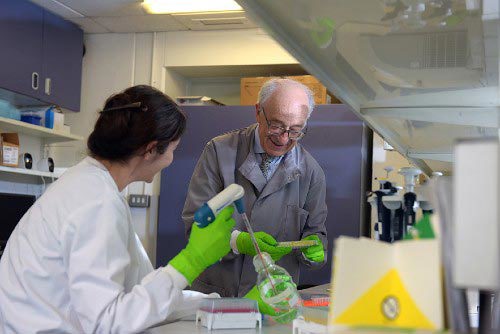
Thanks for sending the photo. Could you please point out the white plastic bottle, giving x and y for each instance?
(282, 294)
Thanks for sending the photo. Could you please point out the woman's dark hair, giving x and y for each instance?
(132, 119)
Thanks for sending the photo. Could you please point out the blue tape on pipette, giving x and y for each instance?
(204, 216)
(240, 206)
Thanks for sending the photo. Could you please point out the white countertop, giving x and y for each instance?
(268, 326)
(189, 327)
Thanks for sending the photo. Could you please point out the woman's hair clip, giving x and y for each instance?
(137, 105)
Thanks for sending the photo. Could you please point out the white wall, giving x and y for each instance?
(219, 48)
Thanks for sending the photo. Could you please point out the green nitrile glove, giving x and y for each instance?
(314, 253)
(205, 246)
(264, 308)
(266, 244)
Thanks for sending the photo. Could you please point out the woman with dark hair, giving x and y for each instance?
(74, 263)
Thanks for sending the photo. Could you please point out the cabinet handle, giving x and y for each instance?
(34, 80)
(47, 86)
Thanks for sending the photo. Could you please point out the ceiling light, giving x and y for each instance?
(189, 6)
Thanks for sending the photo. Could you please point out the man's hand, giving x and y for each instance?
(314, 253)
(266, 244)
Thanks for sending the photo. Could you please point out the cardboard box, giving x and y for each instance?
(250, 87)
(9, 152)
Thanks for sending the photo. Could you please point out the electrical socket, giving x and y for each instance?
(139, 201)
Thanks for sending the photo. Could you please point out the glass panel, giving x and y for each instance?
(377, 50)
(429, 137)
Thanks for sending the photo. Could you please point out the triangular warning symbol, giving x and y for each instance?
(387, 303)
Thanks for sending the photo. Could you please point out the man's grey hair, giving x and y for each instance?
(272, 85)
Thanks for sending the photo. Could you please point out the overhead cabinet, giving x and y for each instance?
(41, 55)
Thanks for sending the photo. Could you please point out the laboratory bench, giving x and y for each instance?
(189, 327)
(268, 326)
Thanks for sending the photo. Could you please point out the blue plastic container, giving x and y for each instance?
(7, 110)
(45, 115)
(32, 119)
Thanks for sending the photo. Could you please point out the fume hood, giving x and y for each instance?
(421, 73)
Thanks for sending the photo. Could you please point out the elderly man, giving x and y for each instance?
(284, 189)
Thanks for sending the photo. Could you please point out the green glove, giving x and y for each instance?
(266, 244)
(314, 253)
(264, 308)
(205, 246)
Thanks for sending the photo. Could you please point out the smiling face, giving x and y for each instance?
(287, 107)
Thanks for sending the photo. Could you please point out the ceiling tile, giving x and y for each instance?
(144, 23)
(89, 26)
(100, 16)
(58, 8)
(104, 7)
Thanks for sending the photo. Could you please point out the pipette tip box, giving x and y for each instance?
(224, 313)
(315, 300)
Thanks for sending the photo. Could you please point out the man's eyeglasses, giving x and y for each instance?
(274, 129)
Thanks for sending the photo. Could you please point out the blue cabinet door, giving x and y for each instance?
(21, 38)
(62, 62)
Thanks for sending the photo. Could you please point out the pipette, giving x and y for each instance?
(256, 245)
(233, 193)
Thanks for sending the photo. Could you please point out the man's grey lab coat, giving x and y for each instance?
(289, 207)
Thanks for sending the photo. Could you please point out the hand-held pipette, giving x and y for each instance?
(206, 214)
(233, 193)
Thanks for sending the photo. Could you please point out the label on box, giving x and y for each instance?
(10, 155)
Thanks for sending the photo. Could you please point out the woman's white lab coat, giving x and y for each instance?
(75, 264)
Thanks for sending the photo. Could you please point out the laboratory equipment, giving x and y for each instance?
(456, 299)
(208, 211)
(26, 160)
(409, 197)
(224, 313)
(383, 227)
(46, 165)
(277, 289)
(297, 244)
(476, 232)
(396, 212)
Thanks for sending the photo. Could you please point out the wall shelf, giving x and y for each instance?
(50, 136)
(32, 172)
